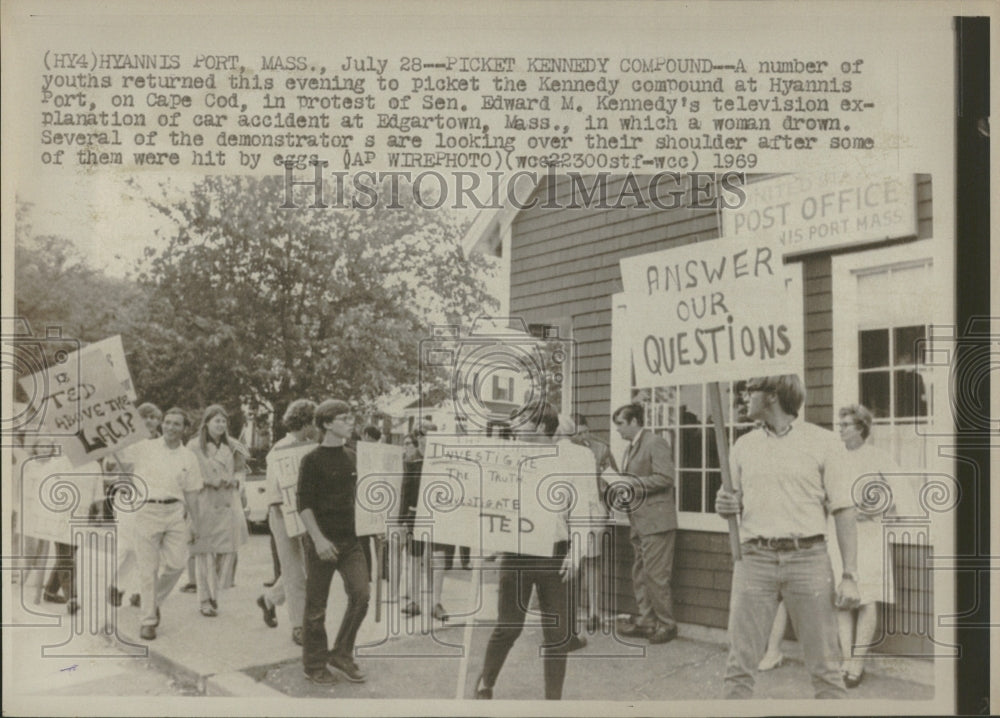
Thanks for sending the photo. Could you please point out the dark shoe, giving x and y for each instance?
(663, 634)
(135, 600)
(189, 588)
(115, 596)
(54, 597)
(321, 676)
(72, 607)
(215, 604)
(297, 635)
(853, 681)
(483, 692)
(208, 611)
(348, 667)
(148, 633)
(439, 613)
(157, 624)
(270, 616)
(576, 643)
(411, 609)
(628, 628)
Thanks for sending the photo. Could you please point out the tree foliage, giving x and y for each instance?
(257, 305)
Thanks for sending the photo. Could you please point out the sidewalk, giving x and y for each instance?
(236, 654)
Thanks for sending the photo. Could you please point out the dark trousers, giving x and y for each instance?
(353, 570)
(518, 576)
(61, 577)
(652, 569)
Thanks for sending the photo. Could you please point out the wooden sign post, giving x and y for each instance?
(722, 444)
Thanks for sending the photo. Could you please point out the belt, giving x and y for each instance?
(786, 544)
(162, 501)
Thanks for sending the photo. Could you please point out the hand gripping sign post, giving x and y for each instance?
(711, 311)
(377, 505)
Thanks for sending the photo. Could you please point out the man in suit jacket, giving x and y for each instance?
(648, 466)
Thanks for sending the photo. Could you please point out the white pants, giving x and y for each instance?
(160, 535)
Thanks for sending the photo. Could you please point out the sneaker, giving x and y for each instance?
(348, 667)
(270, 615)
(321, 676)
(297, 635)
(189, 588)
(147, 633)
(208, 611)
(54, 597)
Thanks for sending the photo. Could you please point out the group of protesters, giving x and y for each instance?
(789, 476)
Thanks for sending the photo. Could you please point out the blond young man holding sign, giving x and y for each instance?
(786, 477)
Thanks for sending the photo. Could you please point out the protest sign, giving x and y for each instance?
(113, 352)
(713, 311)
(379, 489)
(86, 404)
(47, 506)
(503, 496)
(284, 463)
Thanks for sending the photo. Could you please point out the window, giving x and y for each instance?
(682, 416)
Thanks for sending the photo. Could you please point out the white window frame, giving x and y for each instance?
(844, 270)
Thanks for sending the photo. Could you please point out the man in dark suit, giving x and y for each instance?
(652, 512)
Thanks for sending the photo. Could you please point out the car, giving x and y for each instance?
(256, 504)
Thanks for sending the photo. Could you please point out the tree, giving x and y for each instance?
(259, 305)
(55, 287)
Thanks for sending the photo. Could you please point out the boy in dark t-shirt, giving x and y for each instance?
(327, 480)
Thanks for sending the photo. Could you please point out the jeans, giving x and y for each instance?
(804, 580)
(518, 575)
(350, 562)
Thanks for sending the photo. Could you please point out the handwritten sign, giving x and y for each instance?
(86, 404)
(113, 352)
(380, 485)
(713, 311)
(283, 465)
(809, 212)
(503, 496)
(46, 504)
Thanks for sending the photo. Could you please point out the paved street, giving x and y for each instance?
(235, 654)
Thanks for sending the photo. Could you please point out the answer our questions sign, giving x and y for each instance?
(713, 311)
(504, 496)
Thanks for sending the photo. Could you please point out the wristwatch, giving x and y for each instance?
(849, 576)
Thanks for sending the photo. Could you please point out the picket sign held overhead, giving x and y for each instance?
(87, 405)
